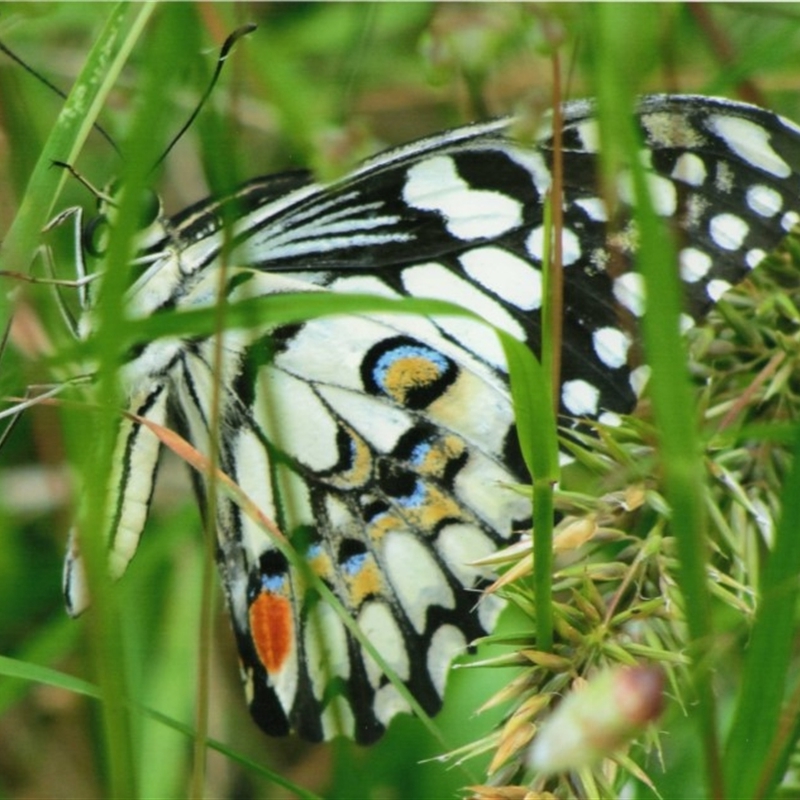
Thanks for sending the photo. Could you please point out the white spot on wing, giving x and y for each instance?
(534, 164)
(695, 208)
(435, 185)
(446, 643)
(750, 142)
(694, 263)
(362, 284)
(461, 543)
(594, 207)
(723, 178)
(689, 168)
(378, 422)
(588, 135)
(381, 629)
(580, 398)
(629, 291)
(296, 403)
(337, 719)
(717, 288)
(136, 486)
(388, 702)
(326, 647)
(483, 487)
(764, 200)
(570, 245)
(662, 193)
(75, 582)
(728, 231)
(514, 280)
(252, 471)
(754, 257)
(611, 346)
(489, 608)
(638, 379)
(419, 587)
(564, 460)
(789, 220)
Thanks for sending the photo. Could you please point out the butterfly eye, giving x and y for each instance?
(95, 235)
(96, 232)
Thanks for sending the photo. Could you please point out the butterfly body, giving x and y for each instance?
(383, 445)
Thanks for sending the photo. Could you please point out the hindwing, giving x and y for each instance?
(388, 492)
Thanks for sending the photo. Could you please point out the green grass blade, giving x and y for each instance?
(679, 447)
(536, 430)
(753, 732)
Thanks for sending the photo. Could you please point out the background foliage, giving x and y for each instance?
(318, 85)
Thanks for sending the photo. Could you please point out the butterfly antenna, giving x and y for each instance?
(105, 197)
(223, 55)
(50, 85)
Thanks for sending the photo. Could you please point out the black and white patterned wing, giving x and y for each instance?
(384, 445)
(388, 492)
(396, 435)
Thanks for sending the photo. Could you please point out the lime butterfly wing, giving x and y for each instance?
(383, 446)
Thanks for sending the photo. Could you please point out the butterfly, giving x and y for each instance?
(384, 445)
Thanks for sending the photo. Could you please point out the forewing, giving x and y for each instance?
(459, 217)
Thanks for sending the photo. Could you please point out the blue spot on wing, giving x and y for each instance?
(415, 498)
(314, 550)
(420, 453)
(275, 584)
(354, 564)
